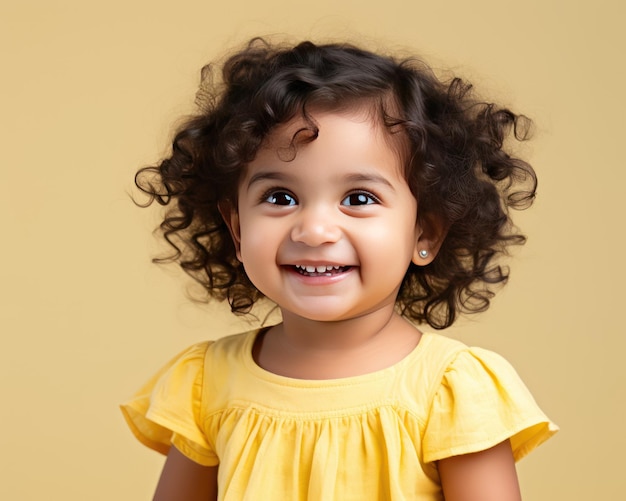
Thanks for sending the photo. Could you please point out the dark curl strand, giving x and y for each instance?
(452, 145)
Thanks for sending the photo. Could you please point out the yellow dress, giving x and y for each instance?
(371, 437)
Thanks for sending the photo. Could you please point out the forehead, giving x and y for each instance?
(362, 123)
(330, 144)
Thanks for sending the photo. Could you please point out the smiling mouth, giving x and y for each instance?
(320, 271)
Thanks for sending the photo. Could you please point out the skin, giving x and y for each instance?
(341, 206)
(488, 475)
(185, 480)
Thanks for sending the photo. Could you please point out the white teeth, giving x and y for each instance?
(317, 269)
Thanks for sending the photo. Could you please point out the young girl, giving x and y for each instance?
(362, 196)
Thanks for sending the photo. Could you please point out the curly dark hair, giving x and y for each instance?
(455, 165)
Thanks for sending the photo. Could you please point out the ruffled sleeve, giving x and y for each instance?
(168, 408)
(481, 402)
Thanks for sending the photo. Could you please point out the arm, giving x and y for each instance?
(482, 476)
(185, 480)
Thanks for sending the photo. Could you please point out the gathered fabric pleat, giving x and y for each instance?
(361, 456)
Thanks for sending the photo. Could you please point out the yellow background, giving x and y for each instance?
(88, 93)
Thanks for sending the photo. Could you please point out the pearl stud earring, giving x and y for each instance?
(423, 253)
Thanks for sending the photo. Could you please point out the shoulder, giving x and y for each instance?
(225, 361)
(435, 354)
(437, 346)
(230, 349)
(451, 356)
(477, 401)
(234, 341)
(458, 370)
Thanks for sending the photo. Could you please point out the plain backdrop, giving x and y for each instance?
(89, 92)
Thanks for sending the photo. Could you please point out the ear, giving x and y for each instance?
(431, 232)
(231, 218)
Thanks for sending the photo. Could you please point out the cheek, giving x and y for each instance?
(397, 231)
(258, 241)
(392, 242)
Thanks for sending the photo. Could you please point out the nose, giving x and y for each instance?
(315, 226)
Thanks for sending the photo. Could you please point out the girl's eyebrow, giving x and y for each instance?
(368, 177)
(267, 175)
(357, 177)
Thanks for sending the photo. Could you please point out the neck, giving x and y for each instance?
(307, 349)
(336, 335)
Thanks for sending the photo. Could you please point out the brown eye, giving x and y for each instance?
(280, 198)
(359, 198)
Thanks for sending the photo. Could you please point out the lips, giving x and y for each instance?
(327, 270)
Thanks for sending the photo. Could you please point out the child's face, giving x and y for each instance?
(328, 235)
